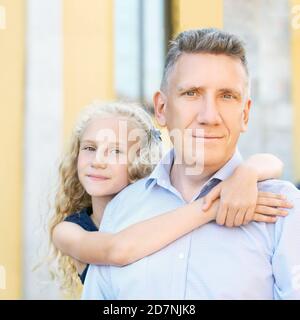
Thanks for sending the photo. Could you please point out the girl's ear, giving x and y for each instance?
(159, 100)
(246, 112)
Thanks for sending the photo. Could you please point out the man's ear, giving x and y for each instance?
(159, 101)
(246, 112)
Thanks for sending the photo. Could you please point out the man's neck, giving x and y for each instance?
(189, 180)
(188, 184)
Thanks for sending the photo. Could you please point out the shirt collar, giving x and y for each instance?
(222, 174)
(161, 174)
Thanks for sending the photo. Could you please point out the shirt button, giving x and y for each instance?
(181, 256)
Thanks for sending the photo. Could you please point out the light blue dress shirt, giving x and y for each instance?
(256, 261)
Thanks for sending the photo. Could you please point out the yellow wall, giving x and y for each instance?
(88, 55)
(200, 14)
(295, 62)
(11, 137)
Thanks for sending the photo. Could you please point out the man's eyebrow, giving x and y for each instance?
(235, 91)
(185, 88)
(232, 90)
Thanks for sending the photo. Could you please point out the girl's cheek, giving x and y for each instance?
(79, 164)
(123, 172)
(83, 159)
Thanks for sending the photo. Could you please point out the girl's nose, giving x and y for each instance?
(100, 160)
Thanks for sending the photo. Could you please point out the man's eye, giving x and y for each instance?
(190, 93)
(228, 96)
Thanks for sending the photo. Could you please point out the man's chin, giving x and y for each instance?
(213, 159)
(209, 159)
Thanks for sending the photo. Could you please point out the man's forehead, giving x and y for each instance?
(207, 70)
(206, 56)
(209, 61)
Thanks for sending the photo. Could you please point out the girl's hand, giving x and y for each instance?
(269, 207)
(239, 197)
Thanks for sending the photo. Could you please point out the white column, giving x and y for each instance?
(139, 48)
(43, 136)
(154, 44)
(126, 43)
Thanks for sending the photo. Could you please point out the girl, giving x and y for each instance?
(95, 169)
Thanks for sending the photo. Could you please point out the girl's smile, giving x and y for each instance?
(95, 177)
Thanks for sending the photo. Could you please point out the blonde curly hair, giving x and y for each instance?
(71, 196)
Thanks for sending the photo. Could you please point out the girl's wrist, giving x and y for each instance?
(207, 215)
(248, 171)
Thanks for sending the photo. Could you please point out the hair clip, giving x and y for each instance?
(156, 134)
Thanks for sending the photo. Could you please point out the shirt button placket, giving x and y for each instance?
(182, 265)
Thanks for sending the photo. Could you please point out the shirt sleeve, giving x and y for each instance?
(286, 257)
(97, 285)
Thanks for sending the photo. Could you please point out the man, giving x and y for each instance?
(204, 96)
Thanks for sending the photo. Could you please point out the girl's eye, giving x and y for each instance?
(115, 151)
(88, 148)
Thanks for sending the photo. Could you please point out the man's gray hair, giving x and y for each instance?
(209, 40)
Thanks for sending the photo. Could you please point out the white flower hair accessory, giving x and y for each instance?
(156, 134)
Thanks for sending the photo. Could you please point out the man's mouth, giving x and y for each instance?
(207, 137)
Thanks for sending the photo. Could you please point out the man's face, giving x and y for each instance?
(206, 101)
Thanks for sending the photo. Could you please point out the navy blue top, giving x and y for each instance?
(83, 219)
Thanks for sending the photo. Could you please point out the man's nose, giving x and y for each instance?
(208, 113)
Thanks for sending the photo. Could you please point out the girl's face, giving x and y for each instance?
(103, 156)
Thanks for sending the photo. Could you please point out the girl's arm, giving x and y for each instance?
(132, 243)
(265, 165)
(146, 237)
